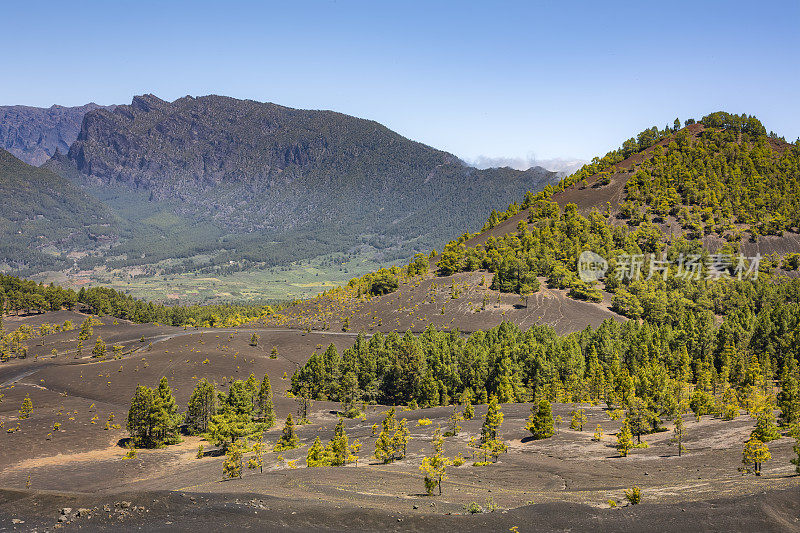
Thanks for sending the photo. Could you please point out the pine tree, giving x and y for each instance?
(233, 421)
(86, 330)
(264, 405)
(679, 433)
(254, 339)
(754, 453)
(257, 460)
(339, 447)
(170, 419)
(202, 406)
(789, 397)
(765, 429)
(435, 467)
(540, 422)
(26, 408)
(578, 419)
(288, 440)
(251, 386)
(232, 465)
(492, 421)
(99, 349)
(144, 418)
(624, 439)
(795, 432)
(453, 426)
(385, 444)
(316, 455)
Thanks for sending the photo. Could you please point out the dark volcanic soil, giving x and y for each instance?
(569, 478)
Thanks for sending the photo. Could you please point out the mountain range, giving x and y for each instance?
(33, 134)
(246, 184)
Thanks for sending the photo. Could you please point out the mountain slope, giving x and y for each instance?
(33, 134)
(41, 209)
(270, 174)
(719, 186)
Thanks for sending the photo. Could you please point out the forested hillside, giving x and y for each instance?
(43, 217)
(713, 330)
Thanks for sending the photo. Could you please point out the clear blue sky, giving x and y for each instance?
(496, 79)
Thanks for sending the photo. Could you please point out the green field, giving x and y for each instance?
(298, 280)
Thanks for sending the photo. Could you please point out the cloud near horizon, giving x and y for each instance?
(558, 164)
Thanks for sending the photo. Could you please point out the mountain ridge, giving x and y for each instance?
(34, 134)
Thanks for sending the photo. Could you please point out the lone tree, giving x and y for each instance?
(453, 426)
(26, 408)
(288, 440)
(624, 439)
(435, 467)
(754, 453)
(202, 406)
(540, 423)
(254, 339)
(679, 433)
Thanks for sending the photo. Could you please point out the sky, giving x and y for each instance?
(483, 80)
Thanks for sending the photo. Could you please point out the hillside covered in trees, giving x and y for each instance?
(43, 217)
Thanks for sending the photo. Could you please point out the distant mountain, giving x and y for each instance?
(33, 134)
(308, 182)
(563, 167)
(42, 216)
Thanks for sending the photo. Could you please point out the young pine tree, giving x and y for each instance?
(264, 405)
(540, 422)
(679, 434)
(170, 418)
(754, 454)
(257, 460)
(435, 467)
(339, 447)
(578, 419)
(99, 349)
(26, 408)
(624, 439)
(765, 429)
(316, 455)
(492, 421)
(385, 444)
(202, 406)
(232, 465)
(288, 439)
